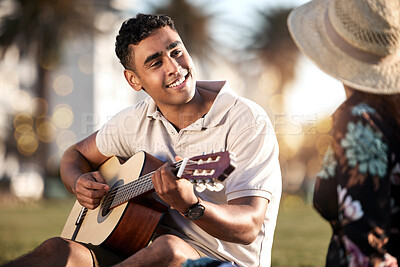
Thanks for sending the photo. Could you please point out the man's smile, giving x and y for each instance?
(182, 77)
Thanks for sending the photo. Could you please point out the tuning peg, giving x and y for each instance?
(200, 187)
(218, 187)
(210, 185)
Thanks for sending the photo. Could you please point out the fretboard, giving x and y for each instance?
(131, 190)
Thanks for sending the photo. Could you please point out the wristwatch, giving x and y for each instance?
(195, 211)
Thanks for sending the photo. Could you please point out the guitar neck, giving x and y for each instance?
(200, 170)
(131, 190)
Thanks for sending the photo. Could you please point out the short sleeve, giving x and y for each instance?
(258, 171)
(113, 138)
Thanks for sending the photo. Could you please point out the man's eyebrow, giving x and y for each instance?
(151, 57)
(173, 45)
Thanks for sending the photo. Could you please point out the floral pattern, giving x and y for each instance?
(328, 165)
(365, 147)
(351, 209)
(355, 257)
(361, 109)
(362, 164)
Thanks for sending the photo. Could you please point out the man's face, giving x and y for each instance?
(164, 69)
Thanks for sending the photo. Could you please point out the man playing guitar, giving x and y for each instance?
(181, 117)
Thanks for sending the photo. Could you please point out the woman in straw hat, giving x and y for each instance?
(358, 188)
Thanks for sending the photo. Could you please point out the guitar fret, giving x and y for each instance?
(198, 168)
(132, 190)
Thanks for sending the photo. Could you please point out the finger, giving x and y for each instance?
(90, 188)
(156, 179)
(178, 158)
(89, 202)
(95, 194)
(90, 182)
(90, 196)
(167, 174)
(100, 179)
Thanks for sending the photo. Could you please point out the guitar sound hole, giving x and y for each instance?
(105, 209)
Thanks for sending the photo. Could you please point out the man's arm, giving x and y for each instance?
(239, 221)
(78, 172)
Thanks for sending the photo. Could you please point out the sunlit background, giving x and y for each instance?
(60, 80)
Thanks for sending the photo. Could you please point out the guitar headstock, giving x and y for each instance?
(208, 171)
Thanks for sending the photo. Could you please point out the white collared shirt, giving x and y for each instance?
(234, 124)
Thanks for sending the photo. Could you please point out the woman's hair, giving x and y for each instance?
(386, 105)
(135, 30)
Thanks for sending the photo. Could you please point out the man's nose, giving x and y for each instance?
(173, 66)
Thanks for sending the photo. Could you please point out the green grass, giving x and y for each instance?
(301, 236)
(23, 226)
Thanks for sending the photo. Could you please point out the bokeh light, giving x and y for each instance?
(23, 129)
(63, 116)
(20, 100)
(23, 118)
(46, 130)
(63, 85)
(39, 107)
(27, 143)
(294, 142)
(324, 125)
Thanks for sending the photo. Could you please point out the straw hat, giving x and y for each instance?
(355, 41)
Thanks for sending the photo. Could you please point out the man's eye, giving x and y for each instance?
(156, 63)
(176, 53)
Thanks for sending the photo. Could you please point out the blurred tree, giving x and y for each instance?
(39, 28)
(193, 24)
(278, 55)
(273, 45)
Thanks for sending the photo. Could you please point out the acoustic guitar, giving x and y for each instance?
(127, 217)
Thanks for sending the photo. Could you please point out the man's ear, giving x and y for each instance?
(133, 80)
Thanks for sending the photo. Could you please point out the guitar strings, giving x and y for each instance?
(87, 213)
(140, 181)
(136, 184)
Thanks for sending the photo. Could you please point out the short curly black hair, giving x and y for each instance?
(135, 30)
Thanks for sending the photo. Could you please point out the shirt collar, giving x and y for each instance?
(225, 100)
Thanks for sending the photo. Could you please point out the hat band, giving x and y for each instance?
(353, 51)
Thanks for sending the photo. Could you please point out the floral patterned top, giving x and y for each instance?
(358, 187)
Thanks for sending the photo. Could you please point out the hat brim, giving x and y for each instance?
(308, 30)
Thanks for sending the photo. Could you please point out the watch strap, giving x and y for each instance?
(191, 207)
(196, 211)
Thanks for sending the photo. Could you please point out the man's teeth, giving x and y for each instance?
(178, 82)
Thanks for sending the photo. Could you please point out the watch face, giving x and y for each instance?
(196, 212)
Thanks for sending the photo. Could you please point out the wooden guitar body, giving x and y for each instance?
(127, 217)
(128, 227)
